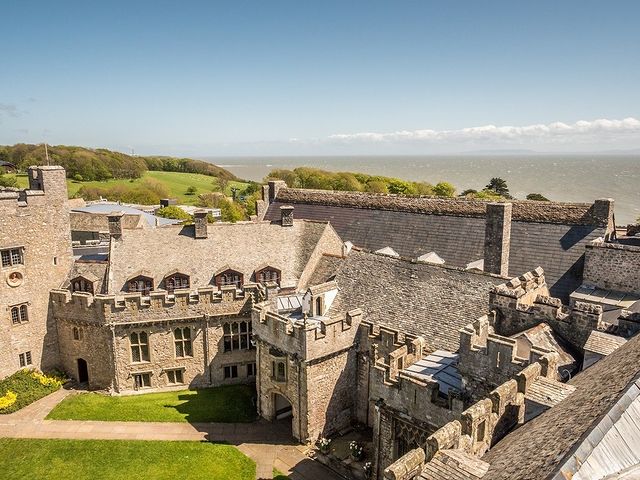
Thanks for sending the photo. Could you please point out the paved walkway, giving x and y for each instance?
(268, 444)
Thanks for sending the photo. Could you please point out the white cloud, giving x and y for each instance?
(595, 130)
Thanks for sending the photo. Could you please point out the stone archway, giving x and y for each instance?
(282, 407)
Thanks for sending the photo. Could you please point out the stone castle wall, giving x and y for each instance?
(35, 220)
(612, 266)
(523, 303)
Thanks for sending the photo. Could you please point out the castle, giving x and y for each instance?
(443, 325)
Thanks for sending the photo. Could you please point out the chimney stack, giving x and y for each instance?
(200, 223)
(274, 187)
(115, 224)
(286, 215)
(497, 238)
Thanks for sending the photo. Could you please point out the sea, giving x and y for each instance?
(564, 178)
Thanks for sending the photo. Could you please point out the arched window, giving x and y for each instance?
(77, 333)
(230, 277)
(140, 284)
(81, 284)
(268, 274)
(182, 340)
(318, 306)
(139, 347)
(176, 281)
(237, 336)
(279, 371)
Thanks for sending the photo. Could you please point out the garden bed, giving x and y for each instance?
(25, 387)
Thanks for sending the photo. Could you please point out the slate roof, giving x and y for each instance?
(423, 299)
(244, 246)
(454, 230)
(540, 447)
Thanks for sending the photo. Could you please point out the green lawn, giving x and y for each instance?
(116, 459)
(233, 403)
(278, 475)
(177, 184)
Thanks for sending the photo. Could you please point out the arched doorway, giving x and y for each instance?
(281, 407)
(83, 371)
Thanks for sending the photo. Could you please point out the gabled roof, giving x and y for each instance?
(94, 271)
(423, 299)
(539, 448)
(244, 246)
(548, 234)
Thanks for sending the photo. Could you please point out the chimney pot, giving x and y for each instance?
(286, 215)
(200, 223)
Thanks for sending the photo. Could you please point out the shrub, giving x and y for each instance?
(173, 212)
(6, 181)
(191, 190)
(8, 400)
(537, 196)
(27, 386)
(444, 189)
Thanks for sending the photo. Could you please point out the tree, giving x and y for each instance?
(191, 190)
(377, 186)
(444, 189)
(6, 181)
(499, 186)
(537, 196)
(469, 192)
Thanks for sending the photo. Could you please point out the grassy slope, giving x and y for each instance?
(176, 182)
(232, 403)
(112, 459)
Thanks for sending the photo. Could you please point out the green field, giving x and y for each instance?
(233, 403)
(177, 184)
(116, 459)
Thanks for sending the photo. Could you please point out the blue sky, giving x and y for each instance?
(247, 78)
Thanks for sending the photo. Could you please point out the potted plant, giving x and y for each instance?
(323, 445)
(356, 450)
(367, 469)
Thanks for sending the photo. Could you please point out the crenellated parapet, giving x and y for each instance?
(308, 338)
(524, 302)
(156, 306)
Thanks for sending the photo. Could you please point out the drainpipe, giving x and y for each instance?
(299, 403)
(205, 346)
(116, 383)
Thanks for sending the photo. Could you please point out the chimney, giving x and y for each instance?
(115, 224)
(604, 217)
(200, 223)
(497, 238)
(274, 187)
(286, 215)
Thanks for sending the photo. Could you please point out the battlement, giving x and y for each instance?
(308, 338)
(628, 323)
(157, 306)
(524, 302)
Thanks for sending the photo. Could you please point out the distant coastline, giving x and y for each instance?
(566, 177)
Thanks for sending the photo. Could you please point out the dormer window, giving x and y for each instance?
(268, 274)
(230, 277)
(81, 284)
(176, 281)
(140, 284)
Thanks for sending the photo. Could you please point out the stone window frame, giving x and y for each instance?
(81, 284)
(173, 374)
(144, 352)
(141, 284)
(78, 334)
(279, 370)
(176, 281)
(19, 313)
(234, 338)
(183, 344)
(222, 278)
(268, 274)
(230, 371)
(25, 359)
(11, 257)
(142, 384)
(251, 369)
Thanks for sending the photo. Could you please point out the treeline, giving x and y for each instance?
(84, 164)
(306, 177)
(314, 178)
